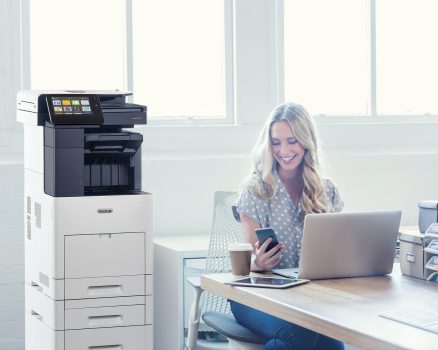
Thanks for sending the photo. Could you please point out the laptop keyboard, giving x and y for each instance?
(413, 316)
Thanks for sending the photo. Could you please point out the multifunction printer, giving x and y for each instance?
(88, 224)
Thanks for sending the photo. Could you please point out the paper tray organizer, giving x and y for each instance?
(432, 247)
(431, 254)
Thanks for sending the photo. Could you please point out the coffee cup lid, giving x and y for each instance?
(239, 246)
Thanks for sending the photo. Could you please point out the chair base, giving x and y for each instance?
(238, 345)
(202, 344)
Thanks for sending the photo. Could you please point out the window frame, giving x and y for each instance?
(373, 117)
(228, 111)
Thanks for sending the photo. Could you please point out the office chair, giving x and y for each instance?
(215, 310)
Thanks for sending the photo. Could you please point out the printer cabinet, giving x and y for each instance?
(103, 299)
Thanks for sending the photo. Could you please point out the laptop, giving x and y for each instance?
(338, 245)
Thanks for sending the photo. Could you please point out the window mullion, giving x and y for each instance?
(280, 50)
(373, 93)
(229, 66)
(129, 60)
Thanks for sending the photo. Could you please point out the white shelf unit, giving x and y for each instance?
(176, 258)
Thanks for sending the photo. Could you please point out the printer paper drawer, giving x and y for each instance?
(104, 255)
(104, 287)
(118, 338)
(98, 317)
(103, 214)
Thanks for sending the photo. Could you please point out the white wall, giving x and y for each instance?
(383, 166)
(375, 166)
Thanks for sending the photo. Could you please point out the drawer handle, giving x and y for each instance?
(36, 286)
(105, 320)
(108, 289)
(410, 257)
(36, 315)
(106, 347)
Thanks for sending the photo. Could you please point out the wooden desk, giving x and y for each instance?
(345, 309)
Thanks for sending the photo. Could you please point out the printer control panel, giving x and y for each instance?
(74, 109)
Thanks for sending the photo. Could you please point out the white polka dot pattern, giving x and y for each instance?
(283, 216)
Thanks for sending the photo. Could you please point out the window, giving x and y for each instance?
(78, 44)
(407, 57)
(325, 55)
(176, 56)
(179, 58)
(339, 57)
(362, 57)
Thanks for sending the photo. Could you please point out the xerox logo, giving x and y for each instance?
(104, 211)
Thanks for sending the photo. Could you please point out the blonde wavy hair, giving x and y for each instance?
(262, 181)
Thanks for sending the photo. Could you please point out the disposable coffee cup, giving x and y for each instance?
(240, 257)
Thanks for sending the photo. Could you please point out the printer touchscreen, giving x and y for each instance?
(74, 109)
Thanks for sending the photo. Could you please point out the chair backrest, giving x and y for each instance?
(225, 230)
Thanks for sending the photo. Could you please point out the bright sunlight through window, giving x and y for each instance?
(326, 55)
(407, 56)
(179, 57)
(78, 44)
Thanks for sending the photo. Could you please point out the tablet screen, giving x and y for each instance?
(74, 109)
(268, 282)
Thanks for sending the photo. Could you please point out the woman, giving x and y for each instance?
(284, 187)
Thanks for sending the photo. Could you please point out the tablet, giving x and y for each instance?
(267, 282)
(74, 109)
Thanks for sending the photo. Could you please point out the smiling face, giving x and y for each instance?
(286, 149)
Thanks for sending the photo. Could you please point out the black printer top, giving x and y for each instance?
(89, 110)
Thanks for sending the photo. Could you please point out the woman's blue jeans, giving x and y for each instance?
(280, 334)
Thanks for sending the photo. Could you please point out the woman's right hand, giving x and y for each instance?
(267, 260)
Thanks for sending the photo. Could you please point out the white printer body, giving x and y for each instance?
(88, 225)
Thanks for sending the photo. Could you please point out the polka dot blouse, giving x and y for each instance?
(282, 215)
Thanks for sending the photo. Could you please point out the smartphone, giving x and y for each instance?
(264, 233)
